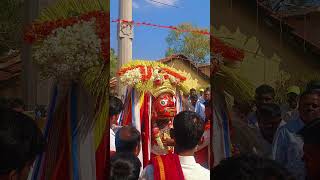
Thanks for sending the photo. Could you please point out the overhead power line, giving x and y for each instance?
(164, 3)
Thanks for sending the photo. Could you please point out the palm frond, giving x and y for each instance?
(63, 9)
(233, 84)
(96, 81)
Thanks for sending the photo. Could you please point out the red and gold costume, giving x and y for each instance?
(153, 99)
(163, 109)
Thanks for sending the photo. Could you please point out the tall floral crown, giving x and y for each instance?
(153, 77)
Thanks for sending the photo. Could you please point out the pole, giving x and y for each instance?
(125, 37)
(29, 72)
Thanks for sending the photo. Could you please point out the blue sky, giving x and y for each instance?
(149, 43)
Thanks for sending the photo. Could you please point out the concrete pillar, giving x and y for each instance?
(125, 37)
(29, 72)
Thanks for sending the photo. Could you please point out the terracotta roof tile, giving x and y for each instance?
(189, 61)
(10, 67)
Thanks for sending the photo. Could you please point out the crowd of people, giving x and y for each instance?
(282, 132)
(283, 137)
(187, 131)
(283, 144)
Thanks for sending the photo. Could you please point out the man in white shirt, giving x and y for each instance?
(115, 108)
(269, 121)
(187, 131)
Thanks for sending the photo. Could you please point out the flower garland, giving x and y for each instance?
(66, 52)
(39, 31)
(146, 75)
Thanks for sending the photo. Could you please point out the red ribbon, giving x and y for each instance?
(218, 46)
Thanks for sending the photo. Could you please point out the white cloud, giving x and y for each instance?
(162, 3)
(135, 5)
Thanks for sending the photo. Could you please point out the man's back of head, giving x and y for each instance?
(128, 140)
(246, 167)
(20, 142)
(3, 102)
(124, 166)
(115, 108)
(16, 104)
(188, 129)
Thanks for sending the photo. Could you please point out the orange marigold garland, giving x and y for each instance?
(219, 47)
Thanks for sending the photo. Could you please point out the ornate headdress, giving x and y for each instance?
(166, 87)
(154, 77)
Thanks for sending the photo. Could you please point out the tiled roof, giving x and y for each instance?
(10, 66)
(291, 7)
(304, 23)
(199, 68)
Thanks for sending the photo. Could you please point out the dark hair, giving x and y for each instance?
(193, 96)
(3, 102)
(247, 167)
(16, 103)
(115, 106)
(307, 93)
(313, 85)
(20, 140)
(188, 129)
(311, 132)
(124, 166)
(193, 89)
(127, 139)
(244, 107)
(265, 89)
(269, 111)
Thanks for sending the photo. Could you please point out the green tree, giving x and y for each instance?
(11, 23)
(113, 63)
(194, 45)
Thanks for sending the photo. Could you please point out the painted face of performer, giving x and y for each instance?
(165, 106)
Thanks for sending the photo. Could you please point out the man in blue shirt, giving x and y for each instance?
(201, 96)
(199, 108)
(288, 145)
(191, 93)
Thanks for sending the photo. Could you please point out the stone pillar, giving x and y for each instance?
(29, 72)
(125, 37)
